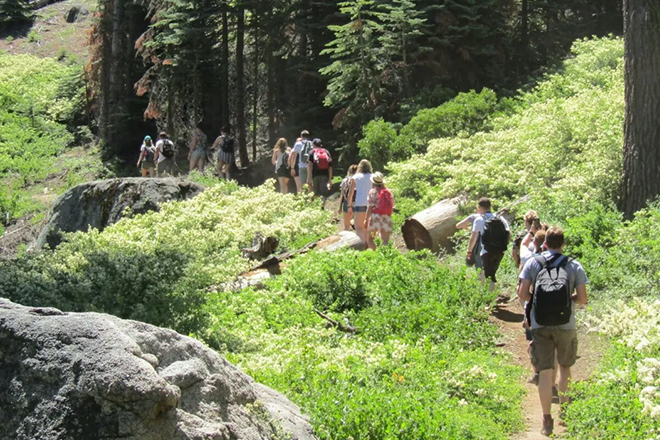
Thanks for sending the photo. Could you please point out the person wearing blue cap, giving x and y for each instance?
(147, 160)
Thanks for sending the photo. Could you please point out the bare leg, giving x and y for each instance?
(562, 385)
(359, 226)
(152, 172)
(193, 164)
(371, 244)
(545, 390)
(284, 185)
(201, 164)
(298, 184)
(385, 236)
(144, 172)
(347, 221)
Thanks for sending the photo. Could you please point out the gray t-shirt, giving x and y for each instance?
(576, 276)
(479, 223)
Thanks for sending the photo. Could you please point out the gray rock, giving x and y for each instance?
(90, 376)
(74, 13)
(104, 202)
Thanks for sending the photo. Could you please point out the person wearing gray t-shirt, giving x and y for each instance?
(558, 339)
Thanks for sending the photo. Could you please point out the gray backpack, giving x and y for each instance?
(306, 151)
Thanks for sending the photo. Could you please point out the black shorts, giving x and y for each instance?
(492, 262)
(320, 186)
(283, 172)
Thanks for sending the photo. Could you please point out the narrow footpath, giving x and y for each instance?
(508, 315)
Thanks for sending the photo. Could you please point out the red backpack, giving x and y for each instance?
(385, 203)
(322, 159)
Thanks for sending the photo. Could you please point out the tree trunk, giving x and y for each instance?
(255, 88)
(240, 87)
(225, 68)
(344, 239)
(641, 155)
(270, 94)
(432, 228)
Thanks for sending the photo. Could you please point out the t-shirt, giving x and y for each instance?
(479, 224)
(315, 170)
(159, 148)
(576, 276)
(201, 141)
(362, 188)
(297, 148)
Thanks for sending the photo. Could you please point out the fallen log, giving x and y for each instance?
(336, 324)
(432, 228)
(342, 240)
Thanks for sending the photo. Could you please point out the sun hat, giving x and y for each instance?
(377, 178)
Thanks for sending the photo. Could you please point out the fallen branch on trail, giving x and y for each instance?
(336, 324)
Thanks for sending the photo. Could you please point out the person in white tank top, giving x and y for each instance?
(360, 187)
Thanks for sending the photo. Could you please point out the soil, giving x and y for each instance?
(508, 315)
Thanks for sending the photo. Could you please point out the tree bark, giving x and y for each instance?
(225, 68)
(255, 88)
(240, 87)
(641, 155)
(270, 94)
(432, 228)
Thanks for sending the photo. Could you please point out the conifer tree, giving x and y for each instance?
(14, 12)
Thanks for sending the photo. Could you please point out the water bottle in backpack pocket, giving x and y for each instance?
(553, 300)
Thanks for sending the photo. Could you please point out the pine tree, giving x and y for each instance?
(14, 12)
(355, 81)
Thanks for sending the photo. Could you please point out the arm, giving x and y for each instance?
(463, 224)
(157, 155)
(367, 217)
(473, 241)
(142, 154)
(293, 160)
(351, 195)
(273, 159)
(524, 290)
(580, 296)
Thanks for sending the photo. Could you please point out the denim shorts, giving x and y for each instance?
(359, 209)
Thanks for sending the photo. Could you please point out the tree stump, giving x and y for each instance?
(432, 228)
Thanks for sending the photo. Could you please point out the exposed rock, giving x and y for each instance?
(74, 13)
(89, 375)
(103, 202)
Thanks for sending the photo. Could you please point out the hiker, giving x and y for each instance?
(493, 233)
(299, 159)
(224, 145)
(379, 212)
(319, 177)
(555, 278)
(280, 161)
(197, 154)
(344, 189)
(165, 155)
(358, 196)
(147, 160)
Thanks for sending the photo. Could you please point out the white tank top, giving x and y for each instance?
(362, 188)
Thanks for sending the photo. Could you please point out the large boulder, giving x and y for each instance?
(103, 202)
(92, 376)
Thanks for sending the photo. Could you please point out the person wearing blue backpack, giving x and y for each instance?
(492, 231)
(560, 284)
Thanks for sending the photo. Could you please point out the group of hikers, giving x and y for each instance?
(160, 159)
(550, 285)
(364, 198)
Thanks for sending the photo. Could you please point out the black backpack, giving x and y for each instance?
(228, 144)
(168, 149)
(495, 237)
(552, 293)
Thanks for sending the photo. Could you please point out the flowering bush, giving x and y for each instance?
(157, 267)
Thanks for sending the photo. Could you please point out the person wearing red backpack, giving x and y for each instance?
(380, 205)
(320, 177)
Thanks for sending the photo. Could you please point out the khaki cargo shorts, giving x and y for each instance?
(546, 341)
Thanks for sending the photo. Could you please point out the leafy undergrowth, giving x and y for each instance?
(422, 365)
(158, 267)
(39, 100)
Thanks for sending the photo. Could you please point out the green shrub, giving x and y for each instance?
(378, 143)
(424, 342)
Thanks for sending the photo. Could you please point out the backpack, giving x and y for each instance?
(228, 144)
(283, 162)
(385, 202)
(168, 149)
(552, 293)
(306, 151)
(321, 159)
(495, 237)
(151, 153)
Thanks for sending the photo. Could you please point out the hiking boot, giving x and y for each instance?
(534, 380)
(548, 425)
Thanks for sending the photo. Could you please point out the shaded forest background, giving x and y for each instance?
(272, 68)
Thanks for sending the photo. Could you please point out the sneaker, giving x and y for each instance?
(548, 426)
(534, 380)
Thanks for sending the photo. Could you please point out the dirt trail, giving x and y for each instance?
(508, 316)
